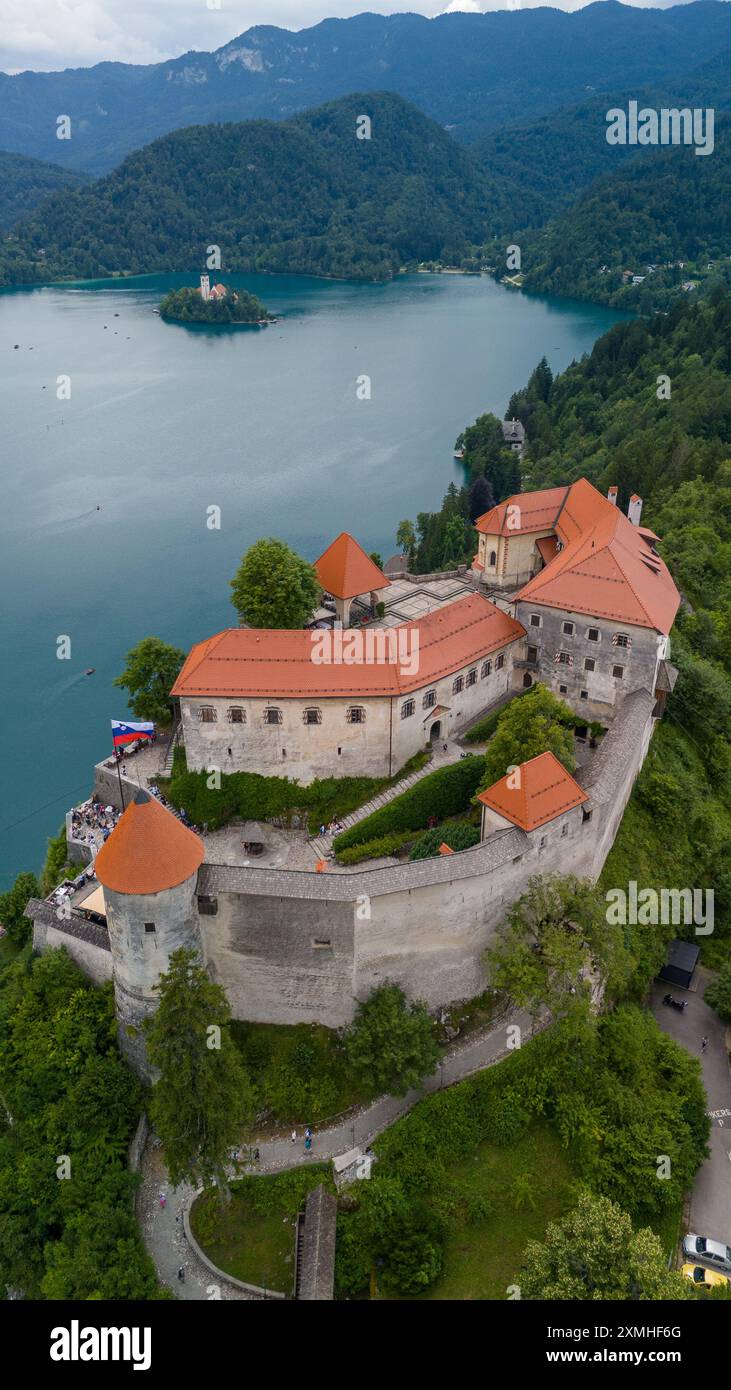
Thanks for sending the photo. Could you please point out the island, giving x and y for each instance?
(214, 304)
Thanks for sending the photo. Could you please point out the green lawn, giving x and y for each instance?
(253, 1238)
(483, 1258)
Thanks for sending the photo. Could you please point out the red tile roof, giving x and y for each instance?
(275, 664)
(545, 791)
(148, 851)
(606, 568)
(345, 570)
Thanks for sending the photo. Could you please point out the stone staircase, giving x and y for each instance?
(322, 845)
(167, 763)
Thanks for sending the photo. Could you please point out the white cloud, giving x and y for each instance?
(52, 34)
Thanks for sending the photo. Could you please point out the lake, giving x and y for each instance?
(103, 534)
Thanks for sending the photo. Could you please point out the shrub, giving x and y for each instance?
(505, 1120)
(460, 836)
(392, 1041)
(446, 792)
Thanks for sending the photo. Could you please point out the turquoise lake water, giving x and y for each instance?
(103, 534)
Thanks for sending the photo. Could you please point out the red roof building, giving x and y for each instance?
(534, 794)
(148, 851)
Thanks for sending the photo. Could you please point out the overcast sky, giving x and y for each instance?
(52, 34)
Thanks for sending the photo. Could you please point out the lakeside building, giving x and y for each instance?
(564, 589)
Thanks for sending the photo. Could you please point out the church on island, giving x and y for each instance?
(565, 590)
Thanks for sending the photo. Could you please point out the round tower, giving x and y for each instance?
(148, 869)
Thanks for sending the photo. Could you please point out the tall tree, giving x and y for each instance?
(12, 907)
(406, 540)
(202, 1101)
(274, 587)
(593, 1253)
(481, 498)
(391, 1042)
(535, 723)
(149, 676)
(553, 944)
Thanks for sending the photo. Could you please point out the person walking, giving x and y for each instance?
(163, 1201)
(704, 1044)
(294, 1136)
(308, 1143)
(181, 1275)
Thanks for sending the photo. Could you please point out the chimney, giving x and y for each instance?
(634, 511)
(612, 495)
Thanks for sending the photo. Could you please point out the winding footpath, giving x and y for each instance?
(163, 1227)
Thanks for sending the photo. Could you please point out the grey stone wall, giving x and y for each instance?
(269, 955)
(605, 692)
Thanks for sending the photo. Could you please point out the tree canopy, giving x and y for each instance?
(274, 587)
(391, 1041)
(536, 723)
(149, 676)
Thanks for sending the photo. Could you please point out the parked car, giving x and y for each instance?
(712, 1251)
(706, 1278)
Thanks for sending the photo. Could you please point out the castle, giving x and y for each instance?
(564, 589)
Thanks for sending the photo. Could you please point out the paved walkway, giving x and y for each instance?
(162, 1228)
(710, 1203)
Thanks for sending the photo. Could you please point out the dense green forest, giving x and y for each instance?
(24, 183)
(187, 306)
(307, 196)
(469, 72)
(667, 209)
(551, 160)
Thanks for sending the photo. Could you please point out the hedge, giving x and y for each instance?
(376, 849)
(249, 796)
(459, 836)
(446, 792)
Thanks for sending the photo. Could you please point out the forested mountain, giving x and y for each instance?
(470, 72)
(303, 196)
(24, 183)
(551, 160)
(665, 206)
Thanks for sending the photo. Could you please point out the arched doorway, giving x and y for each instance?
(436, 731)
(527, 681)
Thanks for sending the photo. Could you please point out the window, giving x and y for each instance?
(565, 829)
(563, 690)
(585, 816)
(532, 653)
(472, 677)
(284, 752)
(486, 669)
(543, 842)
(500, 662)
(407, 709)
(149, 928)
(457, 685)
(568, 629)
(620, 639)
(207, 715)
(593, 634)
(493, 558)
(535, 620)
(429, 700)
(207, 906)
(312, 716)
(321, 943)
(272, 715)
(618, 672)
(356, 715)
(236, 715)
(583, 694)
(564, 659)
(590, 664)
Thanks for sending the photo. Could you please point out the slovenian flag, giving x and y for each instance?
(129, 733)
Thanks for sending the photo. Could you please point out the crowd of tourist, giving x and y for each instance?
(92, 823)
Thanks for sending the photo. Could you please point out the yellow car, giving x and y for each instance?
(707, 1278)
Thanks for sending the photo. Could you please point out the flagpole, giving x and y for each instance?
(119, 775)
